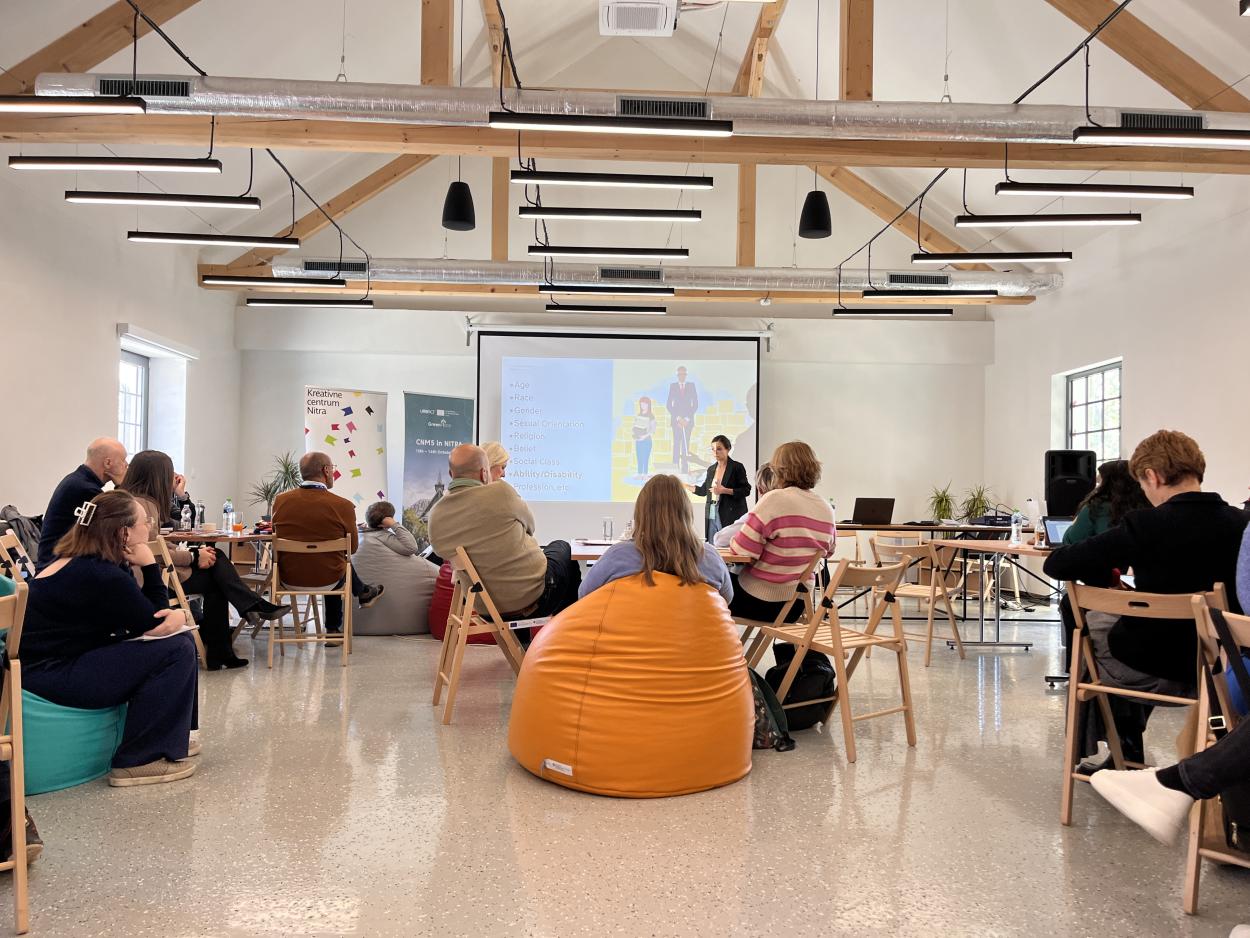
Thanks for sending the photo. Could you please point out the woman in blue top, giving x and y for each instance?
(664, 542)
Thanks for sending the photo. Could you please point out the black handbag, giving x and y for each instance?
(814, 681)
(1235, 800)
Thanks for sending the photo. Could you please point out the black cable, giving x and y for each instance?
(251, 176)
(1089, 119)
(212, 135)
(169, 42)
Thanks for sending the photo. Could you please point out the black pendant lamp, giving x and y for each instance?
(458, 212)
(815, 222)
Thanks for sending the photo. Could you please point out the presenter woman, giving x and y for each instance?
(725, 488)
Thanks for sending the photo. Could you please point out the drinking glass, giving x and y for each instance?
(607, 528)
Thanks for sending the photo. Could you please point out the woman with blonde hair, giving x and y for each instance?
(765, 482)
(498, 458)
(664, 541)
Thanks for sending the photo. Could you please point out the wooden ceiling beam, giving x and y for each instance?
(500, 203)
(746, 214)
(1150, 53)
(89, 44)
(750, 79)
(494, 41)
(855, 44)
(370, 137)
(438, 33)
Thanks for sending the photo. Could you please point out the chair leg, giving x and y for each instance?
(904, 677)
(453, 679)
(950, 615)
(757, 649)
(1198, 813)
(1069, 738)
(273, 629)
(17, 801)
(928, 641)
(444, 660)
(843, 691)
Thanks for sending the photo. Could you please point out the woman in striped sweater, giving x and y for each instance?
(781, 533)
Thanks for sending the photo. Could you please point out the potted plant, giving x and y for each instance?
(941, 504)
(977, 502)
(285, 476)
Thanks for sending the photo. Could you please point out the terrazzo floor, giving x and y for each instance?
(331, 801)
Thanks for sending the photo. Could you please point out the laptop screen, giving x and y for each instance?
(1055, 528)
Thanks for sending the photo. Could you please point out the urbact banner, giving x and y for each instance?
(349, 426)
(433, 426)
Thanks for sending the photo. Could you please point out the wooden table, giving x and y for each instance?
(996, 551)
(229, 538)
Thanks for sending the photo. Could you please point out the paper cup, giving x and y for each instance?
(210, 527)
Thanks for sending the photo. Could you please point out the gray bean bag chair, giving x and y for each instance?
(388, 556)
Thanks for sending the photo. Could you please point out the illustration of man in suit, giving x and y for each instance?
(683, 401)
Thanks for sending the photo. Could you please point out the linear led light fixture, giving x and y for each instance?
(165, 199)
(592, 308)
(309, 302)
(117, 164)
(953, 293)
(1161, 137)
(536, 177)
(229, 280)
(1047, 221)
(611, 124)
(211, 240)
(70, 104)
(624, 254)
(1094, 190)
(612, 214)
(604, 289)
(993, 257)
(936, 311)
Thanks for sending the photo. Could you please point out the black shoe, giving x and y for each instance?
(34, 843)
(370, 595)
(1131, 754)
(225, 664)
(265, 611)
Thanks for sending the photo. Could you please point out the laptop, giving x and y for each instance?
(873, 511)
(1055, 528)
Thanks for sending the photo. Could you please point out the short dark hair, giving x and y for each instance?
(723, 441)
(379, 512)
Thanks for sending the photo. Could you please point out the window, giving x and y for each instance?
(132, 401)
(1094, 410)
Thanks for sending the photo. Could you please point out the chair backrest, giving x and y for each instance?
(12, 615)
(886, 577)
(14, 561)
(1140, 605)
(282, 545)
(1208, 637)
(471, 587)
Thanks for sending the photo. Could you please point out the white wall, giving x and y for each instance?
(891, 408)
(1169, 297)
(67, 277)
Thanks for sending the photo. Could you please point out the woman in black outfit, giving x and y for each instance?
(726, 488)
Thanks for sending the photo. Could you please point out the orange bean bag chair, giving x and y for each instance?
(636, 691)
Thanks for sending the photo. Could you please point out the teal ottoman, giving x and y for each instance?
(65, 746)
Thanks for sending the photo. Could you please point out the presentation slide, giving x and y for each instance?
(588, 419)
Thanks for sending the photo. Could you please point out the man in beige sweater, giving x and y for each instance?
(495, 526)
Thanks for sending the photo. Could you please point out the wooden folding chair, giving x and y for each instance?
(278, 588)
(14, 561)
(1206, 832)
(177, 595)
(846, 646)
(753, 629)
(12, 613)
(465, 619)
(1085, 683)
(929, 560)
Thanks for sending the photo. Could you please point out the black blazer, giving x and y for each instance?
(1186, 545)
(730, 507)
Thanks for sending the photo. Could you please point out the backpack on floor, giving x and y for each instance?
(771, 730)
(1235, 800)
(814, 681)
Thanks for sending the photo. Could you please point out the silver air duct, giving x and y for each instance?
(773, 117)
(762, 279)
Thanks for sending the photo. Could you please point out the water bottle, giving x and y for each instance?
(187, 512)
(200, 514)
(227, 515)
(1017, 524)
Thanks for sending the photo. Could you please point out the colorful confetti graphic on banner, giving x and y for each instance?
(359, 459)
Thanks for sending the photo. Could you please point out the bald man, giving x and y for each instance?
(494, 525)
(105, 462)
(312, 513)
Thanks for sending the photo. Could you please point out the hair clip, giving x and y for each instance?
(85, 513)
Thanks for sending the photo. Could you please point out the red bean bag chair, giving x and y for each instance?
(440, 606)
(636, 691)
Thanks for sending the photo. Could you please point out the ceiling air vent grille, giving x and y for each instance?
(146, 87)
(1140, 120)
(924, 280)
(329, 267)
(662, 107)
(644, 274)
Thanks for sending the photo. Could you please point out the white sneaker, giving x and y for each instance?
(1240, 931)
(1140, 797)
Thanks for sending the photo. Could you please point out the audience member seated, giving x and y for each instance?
(765, 482)
(105, 462)
(724, 489)
(202, 570)
(495, 526)
(1186, 543)
(498, 458)
(82, 613)
(388, 556)
(1243, 571)
(312, 513)
(663, 541)
(781, 533)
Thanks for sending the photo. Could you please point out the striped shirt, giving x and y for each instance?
(782, 532)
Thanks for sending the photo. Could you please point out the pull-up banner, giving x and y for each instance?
(433, 427)
(349, 426)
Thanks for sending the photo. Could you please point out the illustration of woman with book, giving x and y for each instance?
(644, 431)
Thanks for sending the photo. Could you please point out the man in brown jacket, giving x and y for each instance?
(312, 513)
